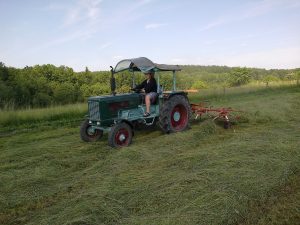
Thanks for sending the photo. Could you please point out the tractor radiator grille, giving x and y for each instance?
(94, 110)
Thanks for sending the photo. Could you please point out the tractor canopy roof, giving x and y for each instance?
(144, 65)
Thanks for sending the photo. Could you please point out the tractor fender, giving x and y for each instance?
(184, 94)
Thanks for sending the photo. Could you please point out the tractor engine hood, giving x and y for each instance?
(102, 108)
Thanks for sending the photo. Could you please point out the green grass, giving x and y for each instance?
(28, 118)
(249, 88)
(283, 208)
(207, 175)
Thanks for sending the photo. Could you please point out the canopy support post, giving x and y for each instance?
(112, 82)
(174, 80)
(133, 79)
(158, 82)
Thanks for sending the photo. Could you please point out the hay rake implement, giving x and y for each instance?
(225, 115)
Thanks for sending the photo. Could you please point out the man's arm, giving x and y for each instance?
(142, 85)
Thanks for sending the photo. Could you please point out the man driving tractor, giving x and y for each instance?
(150, 87)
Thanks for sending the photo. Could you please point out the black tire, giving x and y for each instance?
(226, 125)
(175, 114)
(87, 134)
(120, 135)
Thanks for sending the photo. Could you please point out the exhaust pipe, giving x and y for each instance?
(112, 82)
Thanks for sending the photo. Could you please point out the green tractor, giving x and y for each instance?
(119, 114)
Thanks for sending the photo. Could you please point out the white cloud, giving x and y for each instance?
(213, 24)
(106, 45)
(263, 7)
(130, 13)
(155, 25)
(78, 35)
(85, 14)
(54, 7)
(83, 10)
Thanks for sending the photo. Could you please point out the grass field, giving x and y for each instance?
(29, 118)
(206, 175)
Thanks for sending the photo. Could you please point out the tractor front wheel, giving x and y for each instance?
(88, 134)
(120, 135)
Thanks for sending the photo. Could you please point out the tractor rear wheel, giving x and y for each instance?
(88, 134)
(120, 135)
(175, 114)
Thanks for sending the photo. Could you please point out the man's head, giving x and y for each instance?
(149, 74)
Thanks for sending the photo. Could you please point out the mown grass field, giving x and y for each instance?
(206, 175)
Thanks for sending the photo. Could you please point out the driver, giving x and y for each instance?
(150, 87)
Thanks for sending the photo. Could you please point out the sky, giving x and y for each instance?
(99, 33)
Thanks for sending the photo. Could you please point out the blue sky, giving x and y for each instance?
(99, 33)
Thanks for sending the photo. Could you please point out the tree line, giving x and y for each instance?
(216, 76)
(45, 85)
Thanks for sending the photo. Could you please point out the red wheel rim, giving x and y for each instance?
(179, 117)
(92, 134)
(121, 137)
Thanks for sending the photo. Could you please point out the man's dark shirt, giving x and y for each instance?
(150, 86)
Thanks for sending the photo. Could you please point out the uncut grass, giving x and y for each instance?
(265, 105)
(29, 117)
(245, 89)
(193, 177)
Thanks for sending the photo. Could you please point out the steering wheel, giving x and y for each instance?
(138, 91)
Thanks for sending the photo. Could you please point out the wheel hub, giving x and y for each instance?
(90, 131)
(179, 117)
(122, 137)
(176, 116)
